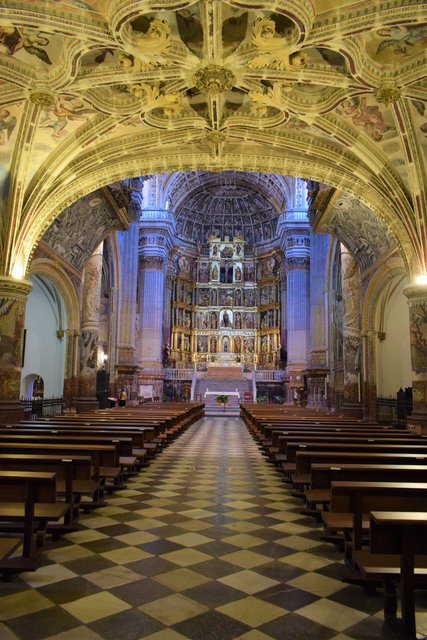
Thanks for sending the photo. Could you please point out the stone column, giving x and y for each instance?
(167, 308)
(71, 371)
(13, 298)
(297, 316)
(88, 347)
(417, 299)
(126, 365)
(317, 371)
(352, 404)
(293, 226)
(157, 228)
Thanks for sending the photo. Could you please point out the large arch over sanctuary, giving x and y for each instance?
(219, 185)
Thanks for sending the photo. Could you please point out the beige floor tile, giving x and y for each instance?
(97, 522)
(243, 541)
(240, 504)
(321, 586)
(190, 539)
(48, 574)
(299, 543)
(197, 513)
(285, 516)
(186, 557)
(6, 633)
(199, 504)
(291, 528)
(22, 603)
(181, 579)
(164, 494)
(111, 510)
(251, 611)
(242, 515)
(97, 606)
(126, 555)
(166, 634)
(246, 559)
(85, 535)
(248, 581)
(172, 609)
(68, 553)
(161, 503)
(254, 634)
(305, 561)
(153, 512)
(139, 537)
(331, 614)
(116, 576)
(145, 524)
(80, 633)
(242, 526)
(193, 525)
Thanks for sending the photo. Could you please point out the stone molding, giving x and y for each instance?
(13, 289)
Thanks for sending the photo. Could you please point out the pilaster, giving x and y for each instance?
(417, 300)
(13, 297)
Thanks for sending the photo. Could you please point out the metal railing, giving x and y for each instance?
(392, 411)
(41, 407)
(178, 374)
(269, 375)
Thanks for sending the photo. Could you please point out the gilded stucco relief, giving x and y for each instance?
(94, 92)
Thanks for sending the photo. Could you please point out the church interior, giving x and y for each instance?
(198, 198)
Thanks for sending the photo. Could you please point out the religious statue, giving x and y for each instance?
(225, 319)
(238, 298)
(215, 273)
(238, 321)
(214, 297)
(214, 320)
(188, 319)
(238, 274)
(237, 344)
(213, 345)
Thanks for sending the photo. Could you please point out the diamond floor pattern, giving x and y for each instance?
(206, 543)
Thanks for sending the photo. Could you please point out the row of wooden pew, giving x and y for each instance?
(367, 484)
(52, 469)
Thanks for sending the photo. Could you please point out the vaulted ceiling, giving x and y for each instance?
(94, 91)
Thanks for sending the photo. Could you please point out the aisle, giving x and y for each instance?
(206, 544)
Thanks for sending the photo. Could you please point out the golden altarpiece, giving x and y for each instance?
(226, 308)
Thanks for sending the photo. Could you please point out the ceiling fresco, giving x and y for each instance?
(94, 91)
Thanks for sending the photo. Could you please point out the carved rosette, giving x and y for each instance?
(214, 79)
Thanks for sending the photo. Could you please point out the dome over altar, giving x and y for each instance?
(229, 204)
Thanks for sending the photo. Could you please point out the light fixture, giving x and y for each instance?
(421, 279)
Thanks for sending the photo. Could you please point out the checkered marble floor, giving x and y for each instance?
(207, 543)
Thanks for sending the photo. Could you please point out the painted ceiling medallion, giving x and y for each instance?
(214, 79)
(387, 94)
(42, 98)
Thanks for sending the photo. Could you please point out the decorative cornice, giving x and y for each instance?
(153, 262)
(298, 263)
(13, 289)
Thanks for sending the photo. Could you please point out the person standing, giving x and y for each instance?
(122, 397)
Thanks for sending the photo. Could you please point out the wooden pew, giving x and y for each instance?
(322, 475)
(351, 503)
(29, 502)
(73, 476)
(305, 459)
(397, 553)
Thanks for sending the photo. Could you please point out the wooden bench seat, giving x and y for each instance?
(28, 504)
(351, 502)
(397, 554)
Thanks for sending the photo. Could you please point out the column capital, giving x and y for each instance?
(153, 262)
(298, 263)
(14, 289)
(416, 295)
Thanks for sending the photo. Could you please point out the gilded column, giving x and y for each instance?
(417, 299)
(352, 404)
(13, 298)
(88, 346)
